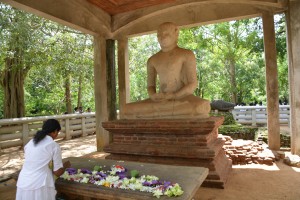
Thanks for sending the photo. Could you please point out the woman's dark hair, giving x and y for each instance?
(49, 126)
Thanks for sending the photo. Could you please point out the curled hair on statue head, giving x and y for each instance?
(49, 126)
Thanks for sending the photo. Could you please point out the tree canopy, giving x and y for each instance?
(230, 60)
(44, 67)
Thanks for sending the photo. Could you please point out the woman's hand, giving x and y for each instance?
(67, 164)
(60, 171)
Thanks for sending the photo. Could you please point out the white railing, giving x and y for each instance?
(255, 115)
(18, 131)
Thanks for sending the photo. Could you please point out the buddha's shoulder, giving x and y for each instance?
(185, 51)
(155, 56)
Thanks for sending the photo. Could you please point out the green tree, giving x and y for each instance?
(70, 72)
(43, 65)
(140, 50)
(20, 43)
(225, 48)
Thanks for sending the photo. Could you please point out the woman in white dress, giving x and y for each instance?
(36, 179)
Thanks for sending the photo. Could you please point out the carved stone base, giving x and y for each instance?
(189, 142)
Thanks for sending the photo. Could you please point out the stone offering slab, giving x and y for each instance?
(189, 178)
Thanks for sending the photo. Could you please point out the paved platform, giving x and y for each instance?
(189, 178)
(245, 183)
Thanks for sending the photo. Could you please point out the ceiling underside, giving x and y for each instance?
(115, 19)
(113, 7)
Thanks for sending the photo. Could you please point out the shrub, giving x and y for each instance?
(228, 117)
(239, 131)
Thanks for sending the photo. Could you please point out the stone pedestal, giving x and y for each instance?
(187, 142)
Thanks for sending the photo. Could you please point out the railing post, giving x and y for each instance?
(253, 117)
(67, 128)
(25, 134)
(83, 127)
(233, 112)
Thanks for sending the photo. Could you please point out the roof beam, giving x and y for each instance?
(77, 14)
(190, 13)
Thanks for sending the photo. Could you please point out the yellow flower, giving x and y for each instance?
(106, 184)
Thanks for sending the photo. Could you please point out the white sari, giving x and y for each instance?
(36, 180)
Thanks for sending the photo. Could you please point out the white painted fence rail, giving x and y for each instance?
(255, 115)
(18, 131)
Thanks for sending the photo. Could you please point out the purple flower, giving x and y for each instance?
(71, 171)
(86, 171)
(122, 175)
(152, 183)
(97, 177)
(101, 174)
(167, 184)
(91, 180)
(146, 183)
(155, 182)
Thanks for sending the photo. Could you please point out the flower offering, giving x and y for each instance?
(117, 177)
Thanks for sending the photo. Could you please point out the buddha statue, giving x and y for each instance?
(175, 68)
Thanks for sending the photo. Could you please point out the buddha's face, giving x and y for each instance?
(167, 35)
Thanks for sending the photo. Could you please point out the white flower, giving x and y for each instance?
(84, 180)
(138, 186)
(157, 193)
(131, 186)
(94, 172)
(112, 179)
(125, 181)
(101, 182)
(151, 178)
(113, 172)
(65, 176)
(146, 189)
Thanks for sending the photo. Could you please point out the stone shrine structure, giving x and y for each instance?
(172, 126)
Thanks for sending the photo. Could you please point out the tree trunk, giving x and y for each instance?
(233, 81)
(79, 95)
(13, 86)
(111, 80)
(68, 94)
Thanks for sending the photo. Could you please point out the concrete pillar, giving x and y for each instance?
(271, 82)
(100, 81)
(123, 73)
(293, 44)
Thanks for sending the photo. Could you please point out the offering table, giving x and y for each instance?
(189, 178)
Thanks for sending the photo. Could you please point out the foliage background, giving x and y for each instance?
(217, 47)
(230, 62)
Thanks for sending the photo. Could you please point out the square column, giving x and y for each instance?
(100, 87)
(123, 73)
(271, 81)
(293, 44)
